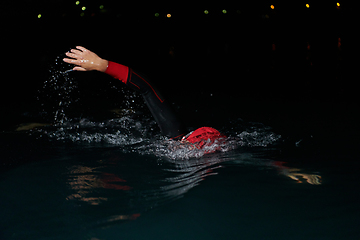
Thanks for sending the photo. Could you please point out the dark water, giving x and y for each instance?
(103, 187)
(82, 157)
(119, 178)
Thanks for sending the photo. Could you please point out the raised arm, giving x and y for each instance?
(85, 60)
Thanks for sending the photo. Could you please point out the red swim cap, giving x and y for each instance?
(203, 136)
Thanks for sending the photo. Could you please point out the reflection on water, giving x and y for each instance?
(188, 174)
(135, 188)
(130, 189)
(85, 180)
(313, 179)
(86, 187)
(297, 174)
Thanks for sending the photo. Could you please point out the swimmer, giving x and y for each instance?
(170, 125)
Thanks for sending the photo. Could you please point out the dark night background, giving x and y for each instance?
(292, 67)
(252, 72)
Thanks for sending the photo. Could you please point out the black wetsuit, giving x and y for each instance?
(169, 123)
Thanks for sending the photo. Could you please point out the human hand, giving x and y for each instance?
(85, 60)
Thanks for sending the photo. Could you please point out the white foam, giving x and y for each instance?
(143, 138)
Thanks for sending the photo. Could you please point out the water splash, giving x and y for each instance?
(132, 134)
(58, 92)
(64, 93)
(144, 137)
(178, 150)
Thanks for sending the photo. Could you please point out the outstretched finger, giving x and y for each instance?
(79, 69)
(71, 61)
(72, 55)
(77, 63)
(75, 51)
(82, 48)
(67, 60)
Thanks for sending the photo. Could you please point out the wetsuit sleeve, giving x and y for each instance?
(118, 71)
(164, 115)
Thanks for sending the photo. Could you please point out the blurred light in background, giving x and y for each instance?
(101, 9)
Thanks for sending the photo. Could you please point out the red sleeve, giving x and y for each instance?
(118, 71)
